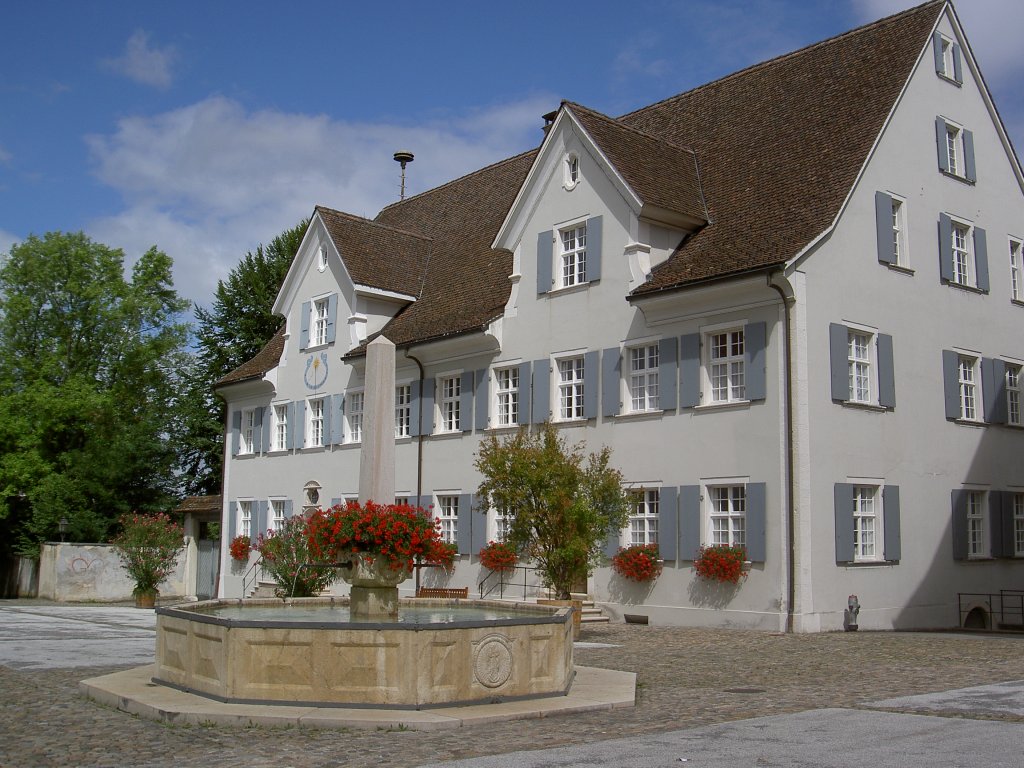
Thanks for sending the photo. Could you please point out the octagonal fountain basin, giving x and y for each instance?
(308, 651)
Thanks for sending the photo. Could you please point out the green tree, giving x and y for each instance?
(563, 505)
(233, 330)
(88, 364)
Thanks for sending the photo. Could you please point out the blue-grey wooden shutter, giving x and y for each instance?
(336, 501)
(958, 72)
(940, 140)
(268, 420)
(940, 66)
(668, 373)
(257, 430)
(883, 228)
(479, 531)
(337, 431)
(524, 393)
(261, 517)
(545, 258)
(945, 247)
(592, 265)
(886, 372)
(332, 317)
(232, 521)
(482, 389)
(993, 390)
(426, 502)
(970, 172)
(891, 545)
(415, 429)
(755, 337)
(612, 543)
(756, 522)
(959, 500)
(464, 529)
(839, 362)
(590, 366)
(328, 418)
(843, 495)
(981, 258)
(427, 406)
(541, 391)
(304, 325)
(300, 424)
(289, 437)
(1006, 525)
(689, 522)
(951, 382)
(611, 367)
(668, 522)
(236, 430)
(689, 371)
(289, 508)
(466, 402)
(995, 523)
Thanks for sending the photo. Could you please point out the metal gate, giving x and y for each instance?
(206, 568)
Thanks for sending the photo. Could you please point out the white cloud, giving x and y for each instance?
(210, 181)
(143, 63)
(7, 239)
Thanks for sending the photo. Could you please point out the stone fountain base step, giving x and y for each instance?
(133, 691)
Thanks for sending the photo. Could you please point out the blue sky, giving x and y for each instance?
(206, 128)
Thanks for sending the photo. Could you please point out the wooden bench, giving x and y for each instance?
(461, 592)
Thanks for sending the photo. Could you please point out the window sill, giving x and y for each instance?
(447, 435)
(966, 287)
(858, 406)
(350, 444)
(317, 347)
(502, 428)
(279, 452)
(1017, 302)
(639, 415)
(978, 559)
(314, 449)
(951, 80)
(868, 563)
(730, 404)
(562, 290)
(969, 422)
(241, 455)
(901, 269)
(570, 422)
(957, 177)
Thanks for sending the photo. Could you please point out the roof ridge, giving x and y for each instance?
(632, 129)
(372, 222)
(790, 55)
(478, 171)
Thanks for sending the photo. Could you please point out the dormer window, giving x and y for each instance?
(321, 258)
(572, 170)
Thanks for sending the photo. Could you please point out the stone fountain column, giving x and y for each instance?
(375, 587)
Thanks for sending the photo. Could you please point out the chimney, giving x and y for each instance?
(549, 120)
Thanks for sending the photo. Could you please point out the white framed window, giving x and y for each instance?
(946, 56)
(866, 523)
(963, 258)
(725, 365)
(502, 524)
(899, 233)
(354, 417)
(977, 533)
(954, 149)
(506, 396)
(643, 378)
(319, 321)
(859, 348)
(967, 371)
(315, 423)
(448, 514)
(449, 402)
(403, 410)
(247, 438)
(277, 509)
(727, 515)
(1018, 524)
(245, 518)
(573, 256)
(280, 427)
(1016, 271)
(572, 170)
(401, 501)
(570, 388)
(1013, 399)
(643, 517)
(321, 258)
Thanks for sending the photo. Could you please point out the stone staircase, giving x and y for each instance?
(592, 614)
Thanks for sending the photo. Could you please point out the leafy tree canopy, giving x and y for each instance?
(563, 505)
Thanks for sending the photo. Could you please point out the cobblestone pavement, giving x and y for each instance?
(687, 678)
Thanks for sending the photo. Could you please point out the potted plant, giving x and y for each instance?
(637, 562)
(443, 554)
(149, 546)
(499, 556)
(287, 559)
(720, 562)
(240, 547)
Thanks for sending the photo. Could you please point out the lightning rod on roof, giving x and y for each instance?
(403, 157)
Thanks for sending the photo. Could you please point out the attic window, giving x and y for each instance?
(321, 259)
(572, 170)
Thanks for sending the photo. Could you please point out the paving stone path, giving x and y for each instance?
(687, 678)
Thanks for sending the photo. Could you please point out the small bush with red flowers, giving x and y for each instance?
(442, 554)
(499, 556)
(149, 546)
(639, 562)
(240, 548)
(286, 558)
(398, 533)
(721, 563)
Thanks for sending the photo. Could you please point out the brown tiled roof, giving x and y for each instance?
(376, 255)
(200, 504)
(780, 144)
(661, 173)
(266, 359)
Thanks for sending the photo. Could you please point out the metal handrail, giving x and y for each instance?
(486, 587)
(254, 574)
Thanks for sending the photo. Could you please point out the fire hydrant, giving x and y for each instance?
(850, 617)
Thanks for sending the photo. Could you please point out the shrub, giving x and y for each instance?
(499, 556)
(149, 546)
(286, 557)
(721, 563)
(638, 562)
